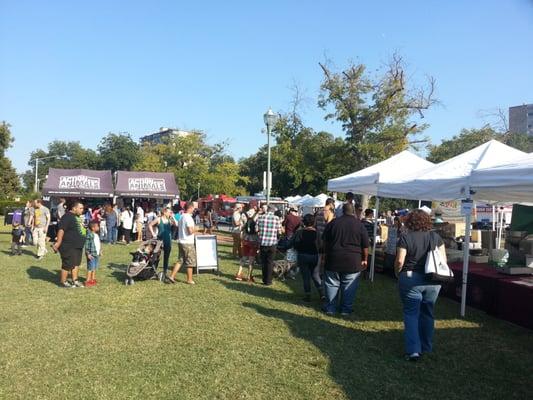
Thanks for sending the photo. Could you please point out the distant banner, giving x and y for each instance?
(79, 182)
(147, 184)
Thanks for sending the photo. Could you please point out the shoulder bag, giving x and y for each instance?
(436, 268)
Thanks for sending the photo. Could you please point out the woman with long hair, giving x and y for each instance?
(417, 292)
(164, 232)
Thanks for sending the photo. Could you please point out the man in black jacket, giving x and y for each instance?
(346, 245)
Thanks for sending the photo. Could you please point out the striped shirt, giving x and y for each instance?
(268, 228)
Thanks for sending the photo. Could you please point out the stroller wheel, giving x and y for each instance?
(126, 282)
(132, 281)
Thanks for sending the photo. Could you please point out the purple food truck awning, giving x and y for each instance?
(146, 184)
(78, 183)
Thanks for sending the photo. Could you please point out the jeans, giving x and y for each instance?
(418, 298)
(347, 283)
(112, 234)
(167, 248)
(28, 240)
(307, 264)
(267, 262)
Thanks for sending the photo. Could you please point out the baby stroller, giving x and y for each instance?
(144, 263)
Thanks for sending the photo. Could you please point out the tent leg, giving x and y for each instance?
(373, 261)
(466, 256)
(493, 218)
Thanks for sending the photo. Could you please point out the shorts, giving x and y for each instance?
(249, 249)
(187, 254)
(93, 264)
(70, 258)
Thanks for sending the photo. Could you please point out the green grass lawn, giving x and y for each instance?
(223, 339)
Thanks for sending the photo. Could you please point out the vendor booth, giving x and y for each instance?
(78, 183)
(150, 185)
(91, 186)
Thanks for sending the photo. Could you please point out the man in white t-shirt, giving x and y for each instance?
(186, 245)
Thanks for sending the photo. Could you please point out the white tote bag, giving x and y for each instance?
(436, 268)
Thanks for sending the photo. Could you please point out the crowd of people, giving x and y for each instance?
(333, 251)
(332, 248)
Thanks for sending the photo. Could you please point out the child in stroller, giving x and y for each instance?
(144, 262)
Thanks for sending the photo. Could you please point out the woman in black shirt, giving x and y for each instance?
(304, 242)
(418, 294)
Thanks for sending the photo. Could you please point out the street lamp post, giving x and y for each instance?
(270, 119)
(198, 191)
(37, 159)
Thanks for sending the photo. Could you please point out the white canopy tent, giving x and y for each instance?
(303, 199)
(506, 182)
(452, 180)
(369, 181)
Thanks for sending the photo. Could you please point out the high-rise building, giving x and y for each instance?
(521, 119)
(162, 134)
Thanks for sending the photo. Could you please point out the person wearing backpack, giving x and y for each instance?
(250, 243)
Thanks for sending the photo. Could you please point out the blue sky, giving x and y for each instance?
(77, 70)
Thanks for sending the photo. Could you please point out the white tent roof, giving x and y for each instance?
(506, 182)
(313, 202)
(302, 199)
(368, 180)
(450, 179)
(292, 199)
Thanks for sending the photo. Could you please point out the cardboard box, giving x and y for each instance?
(479, 259)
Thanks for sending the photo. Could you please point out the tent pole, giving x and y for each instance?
(419, 203)
(373, 261)
(493, 218)
(466, 256)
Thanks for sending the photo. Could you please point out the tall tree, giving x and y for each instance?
(380, 116)
(195, 164)
(466, 140)
(118, 152)
(9, 180)
(302, 160)
(59, 154)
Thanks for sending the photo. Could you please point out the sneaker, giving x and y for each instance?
(40, 258)
(66, 285)
(89, 283)
(77, 284)
(412, 357)
(238, 277)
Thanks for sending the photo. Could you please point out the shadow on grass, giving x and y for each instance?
(118, 271)
(23, 251)
(259, 290)
(358, 356)
(43, 274)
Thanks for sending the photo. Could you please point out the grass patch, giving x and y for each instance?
(223, 339)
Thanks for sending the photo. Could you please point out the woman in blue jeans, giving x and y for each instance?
(417, 292)
(305, 243)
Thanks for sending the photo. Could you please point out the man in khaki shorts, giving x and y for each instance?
(186, 245)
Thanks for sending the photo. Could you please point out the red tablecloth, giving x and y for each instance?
(504, 296)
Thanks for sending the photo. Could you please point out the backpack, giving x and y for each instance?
(17, 217)
(250, 227)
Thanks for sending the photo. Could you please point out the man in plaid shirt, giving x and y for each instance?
(268, 228)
